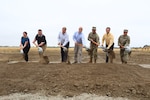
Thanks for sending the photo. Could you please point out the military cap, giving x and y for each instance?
(125, 30)
(93, 28)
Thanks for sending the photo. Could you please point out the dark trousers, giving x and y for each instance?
(111, 48)
(64, 55)
(26, 50)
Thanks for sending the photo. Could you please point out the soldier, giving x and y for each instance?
(94, 43)
(123, 42)
(109, 40)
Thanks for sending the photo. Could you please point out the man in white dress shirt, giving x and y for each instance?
(63, 42)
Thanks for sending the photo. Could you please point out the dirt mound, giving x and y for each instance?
(114, 80)
(68, 80)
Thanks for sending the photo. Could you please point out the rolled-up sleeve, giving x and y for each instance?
(83, 40)
(111, 41)
(74, 37)
(119, 42)
(97, 39)
(103, 39)
(59, 38)
(128, 41)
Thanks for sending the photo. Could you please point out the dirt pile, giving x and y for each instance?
(114, 80)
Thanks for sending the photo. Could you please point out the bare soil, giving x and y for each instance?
(113, 80)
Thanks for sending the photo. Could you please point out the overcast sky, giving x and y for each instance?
(17, 16)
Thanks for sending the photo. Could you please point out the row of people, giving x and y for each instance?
(79, 39)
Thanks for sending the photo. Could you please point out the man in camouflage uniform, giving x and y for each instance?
(123, 41)
(94, 43)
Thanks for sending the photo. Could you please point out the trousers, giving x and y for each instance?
(64, 54)
(111, 48)
(93, 52)
(41, 54)
(26, 50)
(123, 56)
(78, 53)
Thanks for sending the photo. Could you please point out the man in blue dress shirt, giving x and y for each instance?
(79, 40)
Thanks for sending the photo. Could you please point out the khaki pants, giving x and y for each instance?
(42, 54)
(78, 54)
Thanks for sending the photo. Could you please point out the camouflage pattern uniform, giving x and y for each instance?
(124, 40)
(93, 47)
